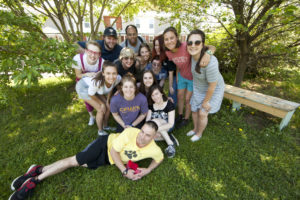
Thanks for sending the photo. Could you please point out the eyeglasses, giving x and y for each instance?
(156, 64)
(197, 43)
(128, 58)
(93, 52)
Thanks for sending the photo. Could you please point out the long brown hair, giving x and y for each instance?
(162, 55)
(173, 30)
(204, 49)
(99, 79)
(156, 87)
(142, 86)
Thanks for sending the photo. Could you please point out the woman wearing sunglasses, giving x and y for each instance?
(208, 84)
(87, 65)
(176, 52)
(126, 62)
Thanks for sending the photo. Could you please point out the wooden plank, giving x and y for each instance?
(266, 100)
(268, 109)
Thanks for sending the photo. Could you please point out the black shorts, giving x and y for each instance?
(95, 154)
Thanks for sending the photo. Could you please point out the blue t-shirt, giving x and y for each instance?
(129, 110)
(106, 54)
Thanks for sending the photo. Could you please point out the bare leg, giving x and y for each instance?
(107, 112)
(166, 137)
(101, 109)
(195, 121)
(202, 122)
(188, 96)
(58, 167)
(180, 99)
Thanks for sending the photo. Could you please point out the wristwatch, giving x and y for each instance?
(125, 172)
(209, 52)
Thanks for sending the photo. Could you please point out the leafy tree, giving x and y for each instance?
(70, 12)
(26, 53)
(261, 29)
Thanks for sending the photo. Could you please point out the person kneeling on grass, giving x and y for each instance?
(132, 144)
(97, 91)
(162, 112)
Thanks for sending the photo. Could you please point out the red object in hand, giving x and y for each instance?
(134, 166)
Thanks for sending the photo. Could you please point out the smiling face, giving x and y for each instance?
(127, 62)
(145, 136)
(110, 42)
(194, 44)
(157, 47)
(170, 40)
(93, 53)
(110, 74)
(145, 54)
(148, 79)
(156, 66)
(157, 96)
(131, 35)
(128, 89)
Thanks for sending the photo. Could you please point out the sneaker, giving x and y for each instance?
(91, 121)
(102, 133)
(24, 191)
(33, 171)
(190, 133)
(183, 123)
(109, 128)
(170, 151)
(195, 138)
(174, 140)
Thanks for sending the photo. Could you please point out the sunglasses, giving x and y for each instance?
(197, 43)
(128, 58)
(93, 52)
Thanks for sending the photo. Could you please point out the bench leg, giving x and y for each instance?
(235, 106)
(286, 119)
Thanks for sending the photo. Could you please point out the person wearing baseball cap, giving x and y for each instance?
(110, 47)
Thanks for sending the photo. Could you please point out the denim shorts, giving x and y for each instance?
(184, 83)
(82, 90)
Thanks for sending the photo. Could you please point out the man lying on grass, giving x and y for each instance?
(132, 144)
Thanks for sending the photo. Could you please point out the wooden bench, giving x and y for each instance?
(269, 104)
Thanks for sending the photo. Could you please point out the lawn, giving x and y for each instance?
(242, 155)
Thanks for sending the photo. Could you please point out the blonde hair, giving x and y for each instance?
(126, 52)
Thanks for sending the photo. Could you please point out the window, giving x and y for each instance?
(151, 24)
(112, 21)
(86, 23)
(137, 23)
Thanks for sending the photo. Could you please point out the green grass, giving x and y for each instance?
(237, 158)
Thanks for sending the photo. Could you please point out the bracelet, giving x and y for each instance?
(125, 172)
(209, 52)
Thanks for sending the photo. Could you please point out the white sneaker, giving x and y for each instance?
(109, 128)
(102, 133)
(195, 138)
(91, 121)
(190, 133)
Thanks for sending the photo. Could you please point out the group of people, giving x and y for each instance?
(127, 81)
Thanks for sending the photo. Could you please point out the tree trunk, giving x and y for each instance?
(243, 59)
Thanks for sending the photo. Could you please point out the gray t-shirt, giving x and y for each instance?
(136, 48)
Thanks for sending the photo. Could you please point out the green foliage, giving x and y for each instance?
(233, 159)
(25, 54)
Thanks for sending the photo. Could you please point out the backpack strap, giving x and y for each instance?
(82, 65)
(141, 40)
(100, 64)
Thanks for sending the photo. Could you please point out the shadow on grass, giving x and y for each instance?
(232, 160)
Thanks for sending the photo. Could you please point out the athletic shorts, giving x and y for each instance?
(95, 154)
(184, 83)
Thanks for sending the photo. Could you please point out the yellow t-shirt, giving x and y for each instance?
(125, 144)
